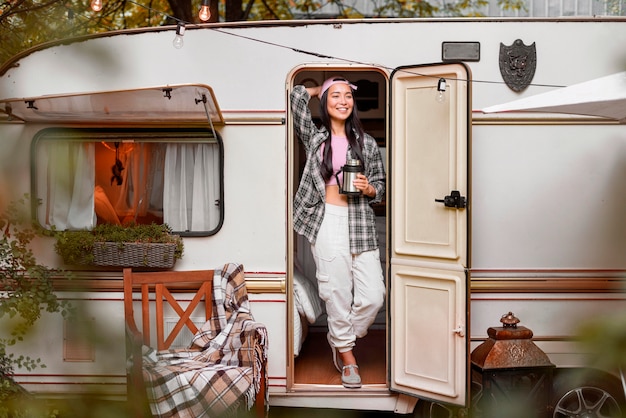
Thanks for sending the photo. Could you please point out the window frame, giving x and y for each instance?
(163, 135)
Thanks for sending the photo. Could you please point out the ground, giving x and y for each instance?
(113, 409)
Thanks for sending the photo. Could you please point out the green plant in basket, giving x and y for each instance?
(107, 241)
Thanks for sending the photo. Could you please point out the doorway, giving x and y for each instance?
(312, 356)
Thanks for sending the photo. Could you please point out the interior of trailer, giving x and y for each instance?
(313, 363)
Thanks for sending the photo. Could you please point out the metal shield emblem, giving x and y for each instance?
(517, 64)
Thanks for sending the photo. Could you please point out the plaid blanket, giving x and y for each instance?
(221, 370)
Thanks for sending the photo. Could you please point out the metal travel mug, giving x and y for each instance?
(350, 170)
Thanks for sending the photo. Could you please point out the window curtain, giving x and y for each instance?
(191, 187)
(66, 185)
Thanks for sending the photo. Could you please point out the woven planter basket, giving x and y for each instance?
(131, 254)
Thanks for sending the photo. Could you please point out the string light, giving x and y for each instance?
(441, 89)
(205, 11)
(441, 85)
(178, 39)
(96, 5)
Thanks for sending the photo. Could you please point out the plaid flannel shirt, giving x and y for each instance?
(310, 198)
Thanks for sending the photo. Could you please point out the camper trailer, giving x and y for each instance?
(485, 213)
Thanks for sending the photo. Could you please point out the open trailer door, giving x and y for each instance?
(429, 232)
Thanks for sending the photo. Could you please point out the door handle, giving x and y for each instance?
(454, 200)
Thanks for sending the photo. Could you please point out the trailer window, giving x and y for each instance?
(85, 177)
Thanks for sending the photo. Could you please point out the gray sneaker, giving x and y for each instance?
(352, 380)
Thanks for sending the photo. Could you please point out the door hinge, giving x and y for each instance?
(459, 330)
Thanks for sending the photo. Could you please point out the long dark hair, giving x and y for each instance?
(354, 133)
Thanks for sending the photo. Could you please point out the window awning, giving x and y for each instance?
(174, 103)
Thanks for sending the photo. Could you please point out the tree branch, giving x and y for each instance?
(15, 10)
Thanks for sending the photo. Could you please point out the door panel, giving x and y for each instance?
(429, 337)
(429, 238)
(430, 160)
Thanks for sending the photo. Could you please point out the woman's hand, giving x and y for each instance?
(314, 91)
(364, 186)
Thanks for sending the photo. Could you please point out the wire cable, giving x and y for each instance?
(320, 55)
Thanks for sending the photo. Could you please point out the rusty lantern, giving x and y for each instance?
(511, 376)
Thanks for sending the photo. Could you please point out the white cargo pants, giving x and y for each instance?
(351, 285)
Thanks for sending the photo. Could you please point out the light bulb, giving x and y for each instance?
(178, 39)
(96, 5)
(440, 97)
(205, 13)
(178, 42)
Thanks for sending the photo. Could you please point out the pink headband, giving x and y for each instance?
(334, 80)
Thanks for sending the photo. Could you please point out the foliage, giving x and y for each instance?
(27, 291)
(76, 247)
(605, 339)
(512, 4)
(27, 23)
(410, 9)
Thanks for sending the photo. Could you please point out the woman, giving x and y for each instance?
(341, 228)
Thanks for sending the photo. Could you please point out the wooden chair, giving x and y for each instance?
(157, 291)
